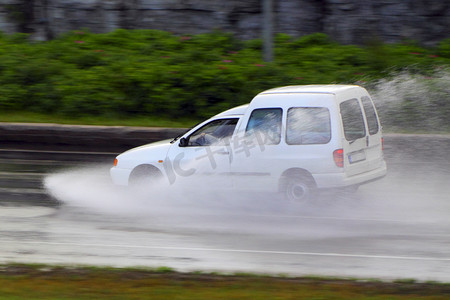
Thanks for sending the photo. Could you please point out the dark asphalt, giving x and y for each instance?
(394, 228)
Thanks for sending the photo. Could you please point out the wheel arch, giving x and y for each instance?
(144, 169)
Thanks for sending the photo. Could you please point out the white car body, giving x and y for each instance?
(295, 139)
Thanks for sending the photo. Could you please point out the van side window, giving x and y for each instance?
(371, 115)
(308, 125)
(352, 120)
(266, 124)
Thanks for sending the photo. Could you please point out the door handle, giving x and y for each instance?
(223, 152)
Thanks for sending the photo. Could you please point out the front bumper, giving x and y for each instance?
(120, 176)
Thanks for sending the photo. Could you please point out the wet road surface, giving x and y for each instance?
(398, 227)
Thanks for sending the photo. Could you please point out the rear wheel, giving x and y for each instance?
(299, 189)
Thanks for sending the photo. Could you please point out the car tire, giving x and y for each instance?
(299, 189)
(144, 176)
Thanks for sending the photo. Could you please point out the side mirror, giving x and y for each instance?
(183, 142)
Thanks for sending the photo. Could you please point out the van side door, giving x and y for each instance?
(256, 150)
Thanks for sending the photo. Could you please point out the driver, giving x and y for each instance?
(205, 139)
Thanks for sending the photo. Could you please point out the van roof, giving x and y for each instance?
(312, 88)
(235, 111)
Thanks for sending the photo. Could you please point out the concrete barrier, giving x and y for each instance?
(80, 137)
(121, 138)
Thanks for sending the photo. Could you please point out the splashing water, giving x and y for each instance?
(405, 102)
(410, 102)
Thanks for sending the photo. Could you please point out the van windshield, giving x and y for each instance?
(308, 125)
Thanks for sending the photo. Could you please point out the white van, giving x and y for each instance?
(294, 139)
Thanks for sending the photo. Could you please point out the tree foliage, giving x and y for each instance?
(150, 72)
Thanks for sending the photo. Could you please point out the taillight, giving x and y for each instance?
(338, 156)
(115, 162)
(382, 144)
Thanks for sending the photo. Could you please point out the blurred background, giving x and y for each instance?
(173, 63)
(347, 21)
(142, 62)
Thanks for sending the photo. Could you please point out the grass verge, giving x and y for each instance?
(19, 281)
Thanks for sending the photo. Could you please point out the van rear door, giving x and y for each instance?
(355, 139)
(374, 152)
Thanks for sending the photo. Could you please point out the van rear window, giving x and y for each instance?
(308, 125)
(353, 120)
(371, 116)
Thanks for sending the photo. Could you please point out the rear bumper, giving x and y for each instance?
(337, 180)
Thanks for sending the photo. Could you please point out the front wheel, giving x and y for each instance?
(144, 176)
(299, 189)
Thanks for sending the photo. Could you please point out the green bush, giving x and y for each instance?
(156, 73)
(444, 48)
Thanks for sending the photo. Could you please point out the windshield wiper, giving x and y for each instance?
(177, 137)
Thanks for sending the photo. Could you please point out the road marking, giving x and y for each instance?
(9, 175)
(341, 219)
(22, 191)
(287, 216)
(297, 253)
(59, 152)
